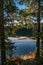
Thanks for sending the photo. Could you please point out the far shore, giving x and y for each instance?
(23, 38)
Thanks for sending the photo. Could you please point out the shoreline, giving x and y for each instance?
(23, 38)
(29, 56)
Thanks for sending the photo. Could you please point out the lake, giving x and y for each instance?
(23, 47)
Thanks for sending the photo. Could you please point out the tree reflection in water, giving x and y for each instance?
(9, 47)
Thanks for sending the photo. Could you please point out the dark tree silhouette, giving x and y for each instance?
(9, 7)
(38, 29)
(3, 53)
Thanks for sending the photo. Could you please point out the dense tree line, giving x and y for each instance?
(8, 10)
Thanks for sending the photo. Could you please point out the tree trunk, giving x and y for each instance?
(3, 52)
(38, 30)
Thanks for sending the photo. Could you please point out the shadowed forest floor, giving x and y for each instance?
(25, 60)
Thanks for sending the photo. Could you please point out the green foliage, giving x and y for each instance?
(11, 63)
(9, 47)
(10, 6)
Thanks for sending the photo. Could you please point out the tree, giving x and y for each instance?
(34, 9)
(38, 30)
(3, 53)
(7, 7)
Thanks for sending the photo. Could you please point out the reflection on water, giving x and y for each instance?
(23, 47)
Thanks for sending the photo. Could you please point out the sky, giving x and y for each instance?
(23, 7)
(20, 6)
(42, 20)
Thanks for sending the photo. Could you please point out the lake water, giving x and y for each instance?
(24, 46)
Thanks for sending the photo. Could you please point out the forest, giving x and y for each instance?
(16, 22)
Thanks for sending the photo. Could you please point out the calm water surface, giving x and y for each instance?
(24, 46)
